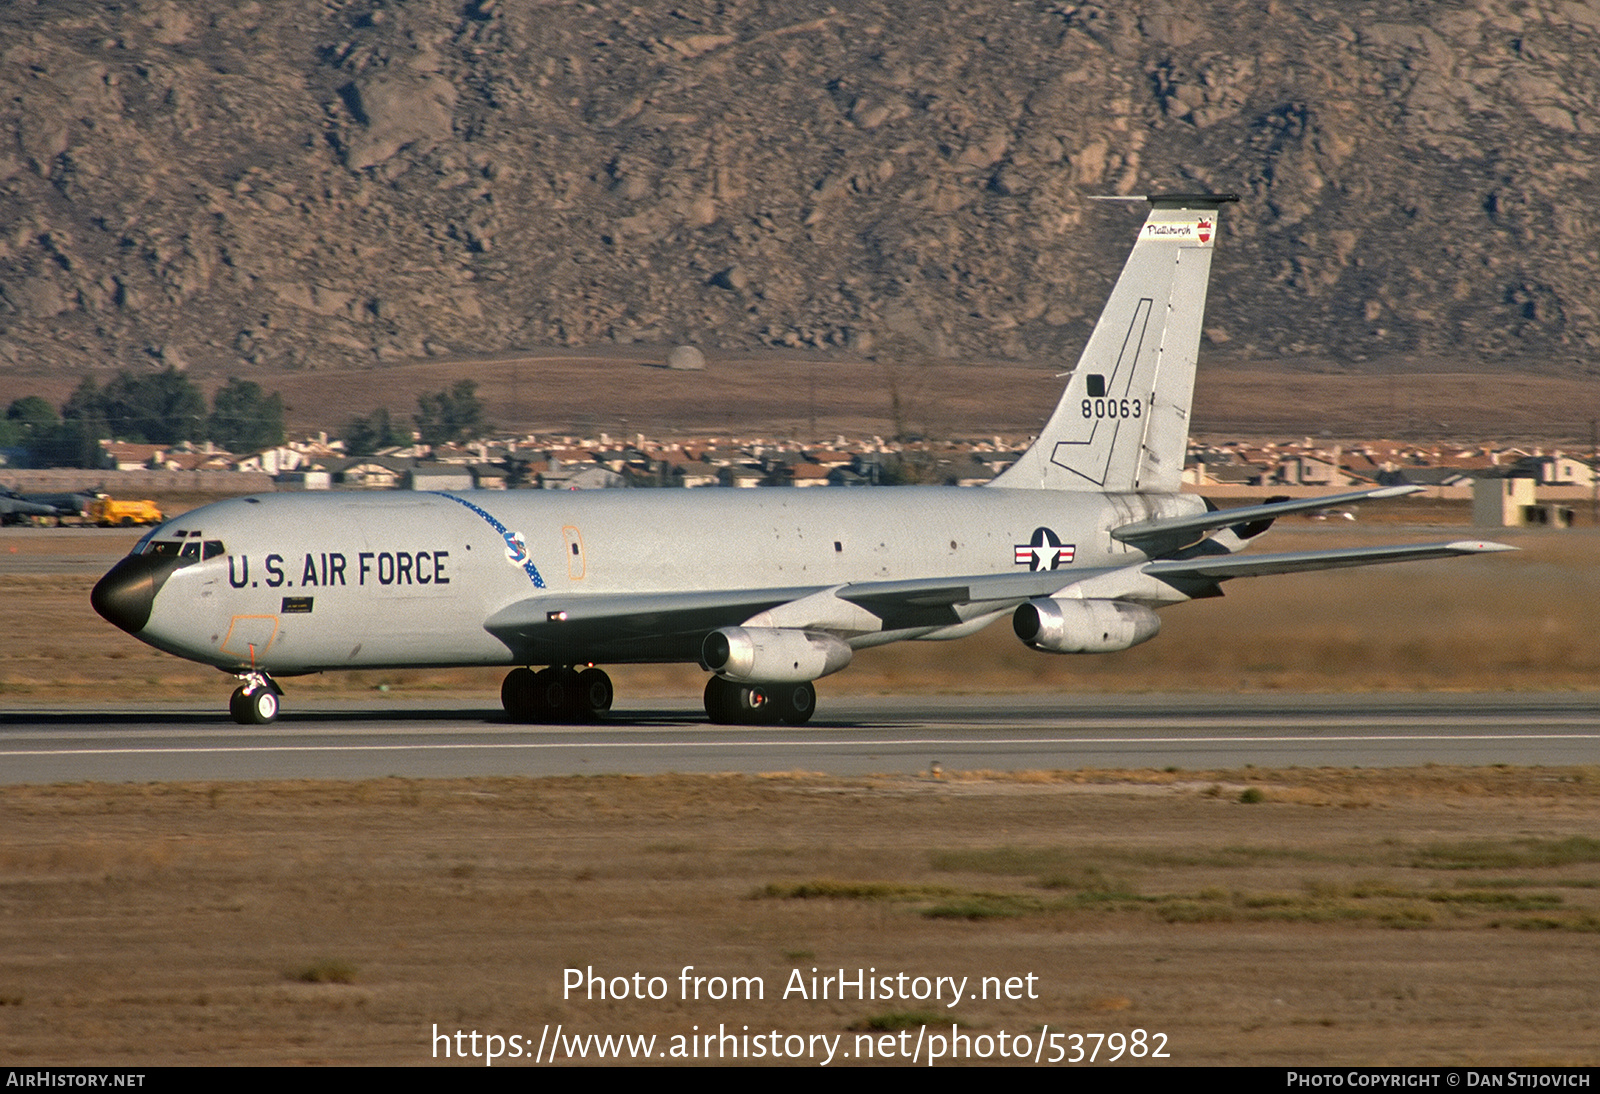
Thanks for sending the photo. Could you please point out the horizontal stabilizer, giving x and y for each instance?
(1220, 568)
(1170, 532)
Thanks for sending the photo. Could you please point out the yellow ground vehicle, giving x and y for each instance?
(107, 512)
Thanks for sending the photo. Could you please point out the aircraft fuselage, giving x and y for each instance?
(311, 582)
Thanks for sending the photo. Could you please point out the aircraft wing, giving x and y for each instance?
(895, 601)
(892, 596)
(1222, 567)
(934, 601)
(1151, 535)
(663, 626)
(610, 626)
(620, 627)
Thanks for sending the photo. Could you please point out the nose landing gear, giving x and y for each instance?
(255, 702)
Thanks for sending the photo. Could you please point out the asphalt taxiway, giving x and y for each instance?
(851, 736)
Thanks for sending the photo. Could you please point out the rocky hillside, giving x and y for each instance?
(210, 183)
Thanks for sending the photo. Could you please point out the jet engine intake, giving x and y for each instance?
(1084, 626)
(773, 655)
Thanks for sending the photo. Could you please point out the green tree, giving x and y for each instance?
(29, 421)
(83, 427)
(364, 436)
(87, 402)
(32, 413)
(155, 408)
(454, 415)
(245, 420)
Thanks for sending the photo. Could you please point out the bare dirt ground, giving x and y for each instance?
(813, 395)
(810, 396)
(1346, 917)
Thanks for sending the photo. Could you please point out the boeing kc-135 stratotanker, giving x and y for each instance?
(1079, 542)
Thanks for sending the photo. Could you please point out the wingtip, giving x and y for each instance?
(1480, 546)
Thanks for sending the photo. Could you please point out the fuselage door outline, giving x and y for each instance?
(245, 636)
(574, 551)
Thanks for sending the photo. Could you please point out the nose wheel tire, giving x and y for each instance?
(257, 707)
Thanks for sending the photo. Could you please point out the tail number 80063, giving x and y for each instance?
(1113, 408)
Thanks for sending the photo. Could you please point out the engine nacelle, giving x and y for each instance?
(773, 655)
(1084, 626)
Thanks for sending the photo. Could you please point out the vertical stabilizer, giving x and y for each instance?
(1123, 421)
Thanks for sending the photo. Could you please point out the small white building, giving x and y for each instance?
(1513, 503)
(441, 476)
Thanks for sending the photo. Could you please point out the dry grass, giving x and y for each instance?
(1503, 622)
(1449, 920)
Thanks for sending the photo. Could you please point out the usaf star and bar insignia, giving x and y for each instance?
(1044, 551)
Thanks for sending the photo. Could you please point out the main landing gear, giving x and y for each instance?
(556, 694)
(729, 702)
(255, 702)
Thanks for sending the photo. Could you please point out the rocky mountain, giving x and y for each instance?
(223, 184)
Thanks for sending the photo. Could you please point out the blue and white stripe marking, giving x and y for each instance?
(516, 546)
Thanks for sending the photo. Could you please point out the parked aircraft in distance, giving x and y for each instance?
(768, 590)
(16, 508)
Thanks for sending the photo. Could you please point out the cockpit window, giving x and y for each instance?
(189, 551)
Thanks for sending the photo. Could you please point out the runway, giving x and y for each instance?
(851, 736)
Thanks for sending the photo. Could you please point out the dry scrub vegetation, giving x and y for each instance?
(1406, 917)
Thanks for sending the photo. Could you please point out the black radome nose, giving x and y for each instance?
(128, 591)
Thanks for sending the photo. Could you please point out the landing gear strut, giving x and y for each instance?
(255, 702)
(557, 694)
(729, 702)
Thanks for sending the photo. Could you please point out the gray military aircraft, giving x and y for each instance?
(768, 590)
(16, 508)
